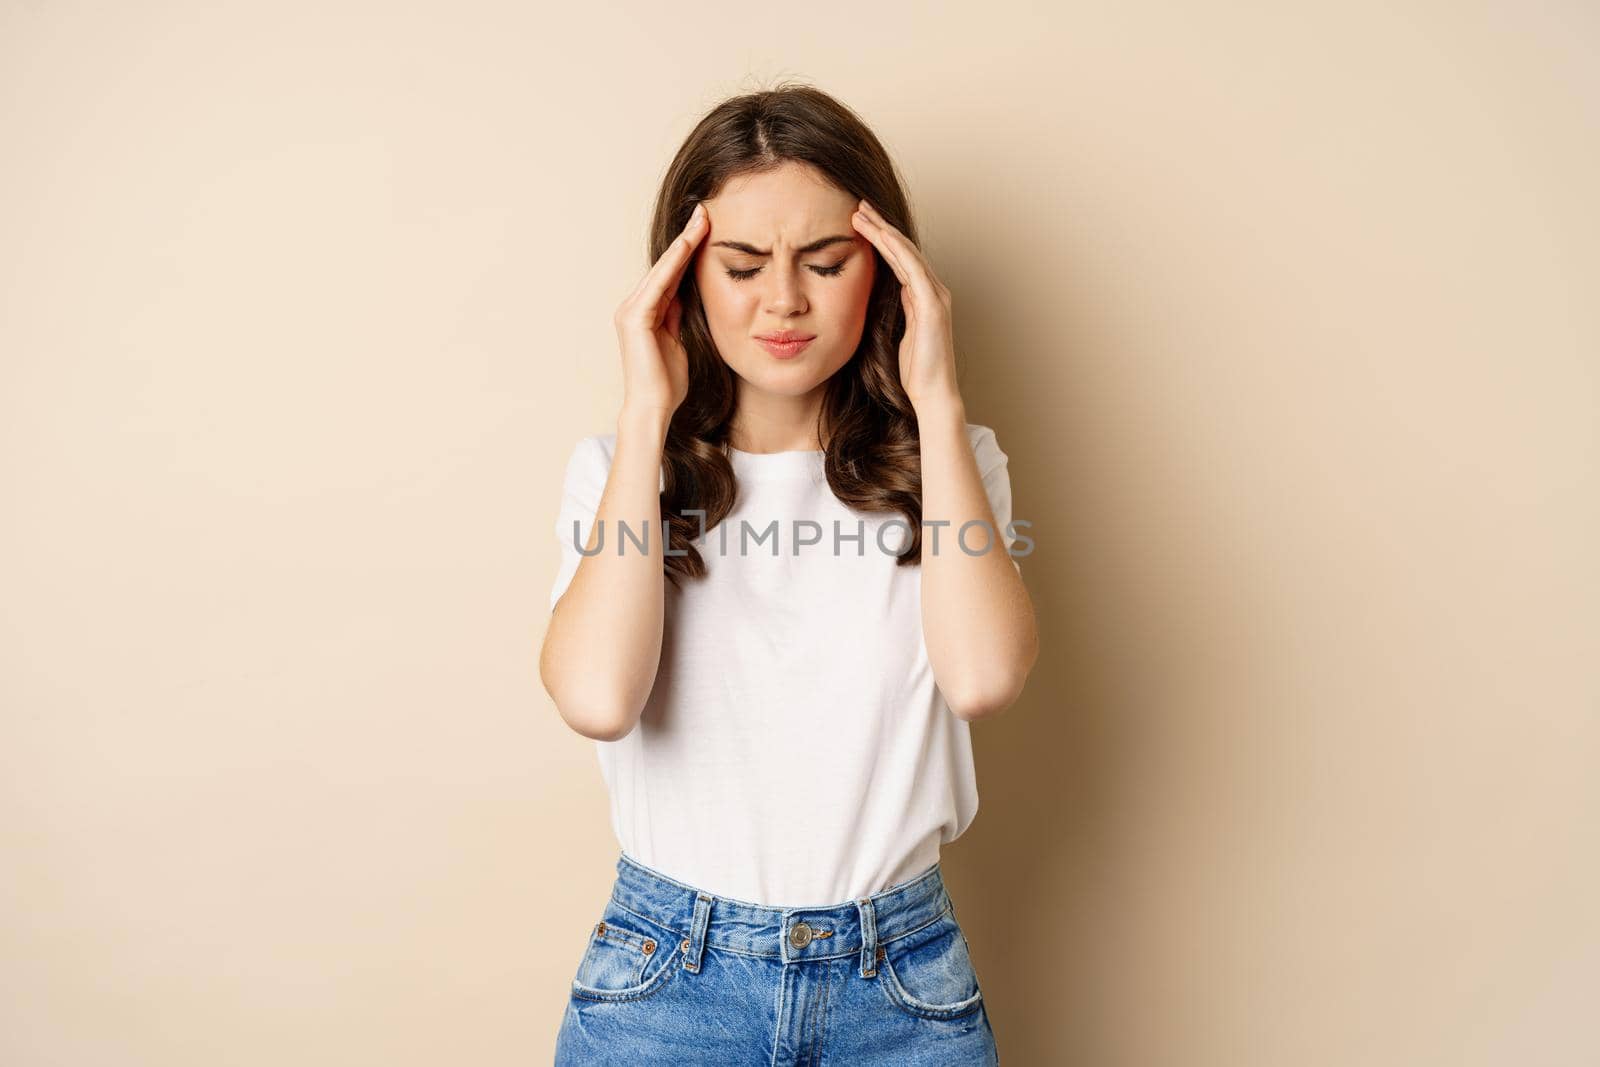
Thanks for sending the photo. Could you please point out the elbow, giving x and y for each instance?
(595, 717)
(602, 727)
(986, 698)
(586, 709)
(996, 683)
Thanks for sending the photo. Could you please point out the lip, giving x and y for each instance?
(785, 344)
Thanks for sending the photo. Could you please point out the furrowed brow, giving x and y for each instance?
(814, 246)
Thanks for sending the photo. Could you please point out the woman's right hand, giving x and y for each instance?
(655, 365)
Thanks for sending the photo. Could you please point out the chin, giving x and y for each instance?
(783, 381)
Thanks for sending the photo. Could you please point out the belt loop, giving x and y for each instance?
(869, 937)
(695, 943)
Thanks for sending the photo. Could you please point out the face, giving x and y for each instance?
(782, 255)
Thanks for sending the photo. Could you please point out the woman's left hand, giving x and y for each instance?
(927, 352)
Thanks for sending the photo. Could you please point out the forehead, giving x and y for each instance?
(792, 202)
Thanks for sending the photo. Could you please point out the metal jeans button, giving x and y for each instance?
(800, 935)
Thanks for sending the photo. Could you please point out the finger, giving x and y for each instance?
(667, 272)
(907, 254)
(902, 255)
(911, 259)
(674, 317)
(875, 233)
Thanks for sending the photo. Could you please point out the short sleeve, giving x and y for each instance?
(587, 470)
(994, 469)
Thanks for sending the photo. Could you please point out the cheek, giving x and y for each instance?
(851, 298)
(714, 299)
(723, 301)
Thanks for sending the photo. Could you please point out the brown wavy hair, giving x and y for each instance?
(867, 426)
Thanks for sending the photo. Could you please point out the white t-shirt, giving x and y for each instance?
(795, 750)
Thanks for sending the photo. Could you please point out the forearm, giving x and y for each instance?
(977, 618)
(603, 644)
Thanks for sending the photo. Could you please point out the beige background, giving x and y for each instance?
(1286, 319)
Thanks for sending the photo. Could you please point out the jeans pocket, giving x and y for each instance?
(929, 974)
(627, 958)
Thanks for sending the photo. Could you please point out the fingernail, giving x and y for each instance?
(699, 210)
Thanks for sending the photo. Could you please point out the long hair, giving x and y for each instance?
(867, 424)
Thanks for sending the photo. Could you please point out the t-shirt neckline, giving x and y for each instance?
(762, 464)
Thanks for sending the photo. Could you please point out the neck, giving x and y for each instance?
(765, 423)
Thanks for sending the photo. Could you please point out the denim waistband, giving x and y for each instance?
(855, 927)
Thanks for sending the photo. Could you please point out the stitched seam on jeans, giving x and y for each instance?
(816, 1022)
(652, 986)
(657, 923)
(907, 933)
(678, 935)
(808, 1038)
(920, 1008)
(827, 1002)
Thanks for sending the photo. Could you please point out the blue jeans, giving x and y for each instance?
(674, 975)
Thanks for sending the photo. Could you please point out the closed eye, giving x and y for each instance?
(826, 272)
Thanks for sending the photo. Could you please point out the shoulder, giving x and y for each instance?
(588, 467)
(985, 446)
(592, 453)
(589, 464)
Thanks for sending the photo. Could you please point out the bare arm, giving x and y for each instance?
(603, 644)
(977, 618)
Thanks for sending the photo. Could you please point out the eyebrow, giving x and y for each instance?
(815, 246)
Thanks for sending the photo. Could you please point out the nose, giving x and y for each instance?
(785, 294)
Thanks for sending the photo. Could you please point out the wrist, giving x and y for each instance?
(644, 423)
(945, 408)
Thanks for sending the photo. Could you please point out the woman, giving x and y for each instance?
(782, 694)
